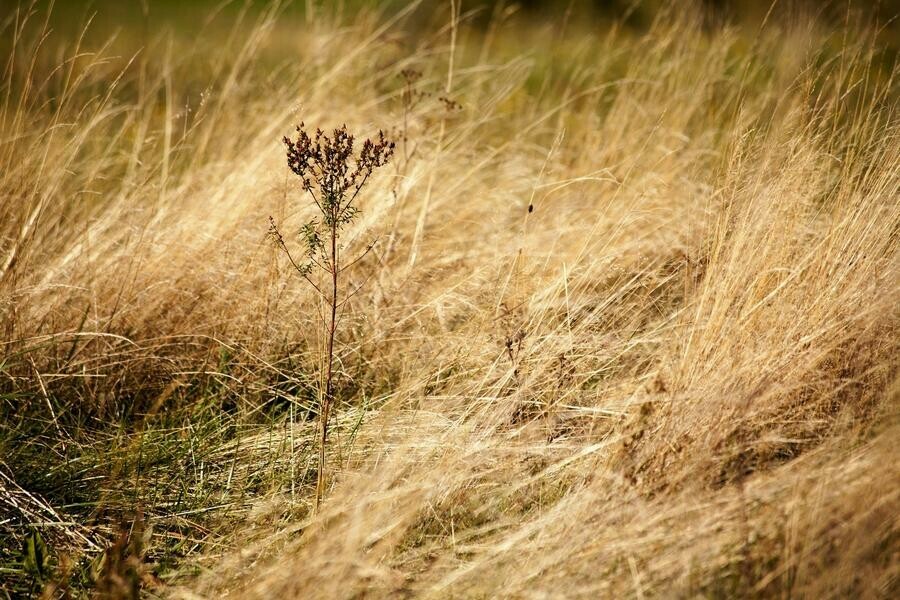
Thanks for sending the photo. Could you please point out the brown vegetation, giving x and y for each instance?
(631, 327)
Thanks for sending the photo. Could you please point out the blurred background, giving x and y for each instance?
(633, 12)
(126, 25)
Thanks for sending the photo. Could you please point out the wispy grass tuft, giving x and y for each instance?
(631, 327)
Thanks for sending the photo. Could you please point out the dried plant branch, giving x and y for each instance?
(328, 163)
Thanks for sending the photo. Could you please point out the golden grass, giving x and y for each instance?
(676, 377)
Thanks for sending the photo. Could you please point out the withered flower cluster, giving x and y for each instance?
(330, 170)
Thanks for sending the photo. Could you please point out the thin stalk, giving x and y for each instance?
(329, 363)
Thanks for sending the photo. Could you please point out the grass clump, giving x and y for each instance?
(631, 328)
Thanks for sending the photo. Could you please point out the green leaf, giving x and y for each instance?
(36, 556)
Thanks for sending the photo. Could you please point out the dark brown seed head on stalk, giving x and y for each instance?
(327, 163)
(333, 175)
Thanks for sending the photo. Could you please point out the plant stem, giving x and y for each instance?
(329, 385)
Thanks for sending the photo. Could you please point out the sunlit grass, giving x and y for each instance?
(630, 327)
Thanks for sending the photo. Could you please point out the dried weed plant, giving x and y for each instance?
(333, 175)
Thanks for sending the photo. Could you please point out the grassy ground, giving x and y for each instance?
(630, 328)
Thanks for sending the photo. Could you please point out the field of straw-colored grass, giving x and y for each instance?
(630, 327)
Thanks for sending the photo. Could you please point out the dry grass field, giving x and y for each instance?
(629, 328)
